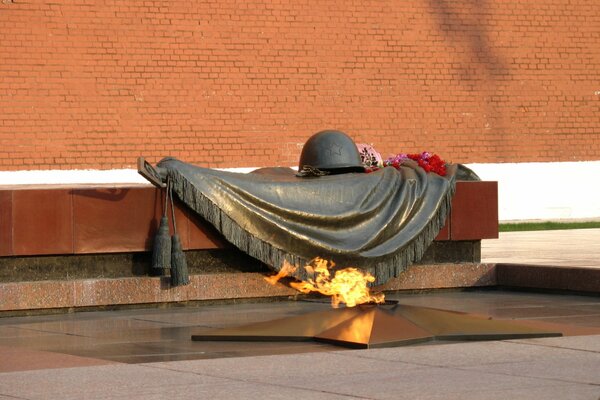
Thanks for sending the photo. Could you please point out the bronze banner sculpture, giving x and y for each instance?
(380, 222)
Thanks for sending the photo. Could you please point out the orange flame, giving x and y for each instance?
(348, 285)
(286, 270)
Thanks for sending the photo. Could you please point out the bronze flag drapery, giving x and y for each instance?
(380, 222)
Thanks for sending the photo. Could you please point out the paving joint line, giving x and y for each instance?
(254, 381)
(553, 346)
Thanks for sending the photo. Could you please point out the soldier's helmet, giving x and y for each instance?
(331, 151)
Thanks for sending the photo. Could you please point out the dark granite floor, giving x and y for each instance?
(153, 335)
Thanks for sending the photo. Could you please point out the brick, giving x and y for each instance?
(105, 83)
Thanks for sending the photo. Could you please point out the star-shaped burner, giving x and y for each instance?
(371, 326)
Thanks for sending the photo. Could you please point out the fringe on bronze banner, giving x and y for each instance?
(382, 268)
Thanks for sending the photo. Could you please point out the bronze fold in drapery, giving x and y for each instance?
(380, 222)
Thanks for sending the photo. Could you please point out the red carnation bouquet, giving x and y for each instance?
(428, 161)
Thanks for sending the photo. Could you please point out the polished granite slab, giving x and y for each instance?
(164, 334)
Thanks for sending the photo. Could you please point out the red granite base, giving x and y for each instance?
(84, 219)
(576, 279)
(139, 290)
(44, 295)
(443, 276)
(20, 296)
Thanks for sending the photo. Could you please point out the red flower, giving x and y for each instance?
(428, 161)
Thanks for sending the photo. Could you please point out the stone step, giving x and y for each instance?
(45, 295)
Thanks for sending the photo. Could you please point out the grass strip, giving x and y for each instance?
(546, 226)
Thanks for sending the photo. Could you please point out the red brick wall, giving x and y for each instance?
(94, 84)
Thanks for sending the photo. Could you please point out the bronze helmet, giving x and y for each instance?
(331, 151)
